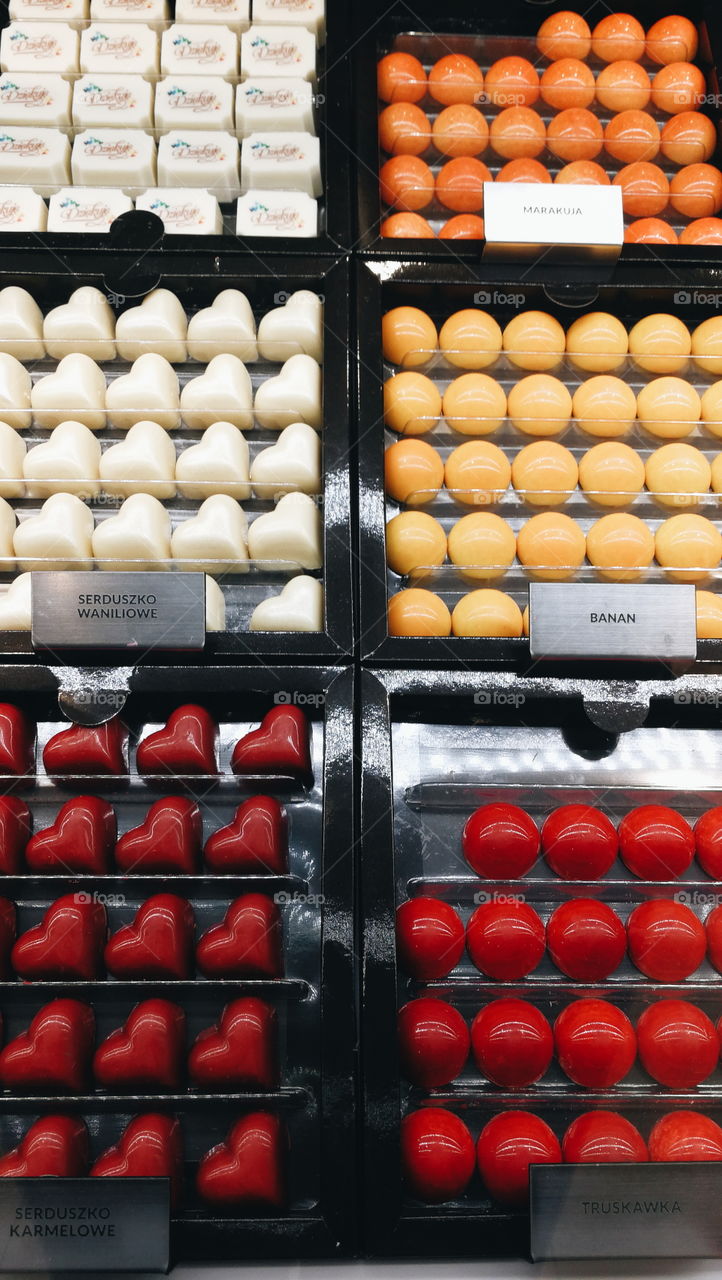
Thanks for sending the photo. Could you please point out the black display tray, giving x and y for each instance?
(383, 285)
(376, 28)
(50, 277)
(325, 1224)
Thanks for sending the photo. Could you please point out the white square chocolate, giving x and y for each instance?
(184, 211)
(196, 159)
(303, 13)
(120, 102)
(86, 208)
(278, 51)
(235, 14)
(22, 209)
(73, 12)
(194, 102)
(277, 213)
(272, 105)
(114, 158)
(38, 158)
(119, 47)
(154, 12)
(48, 47)
(31, 98)
(195, 50)
(281, 162)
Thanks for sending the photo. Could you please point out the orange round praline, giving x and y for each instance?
(688, 138)
(407, 183)
(463, 226)
(702, 231)
(696, 191)
(517, 132)
(417, 612)
(568, 82)
(413, 472)
(512, 82)
(678, 87)
(645, 189)
(460, 184)
(650, 231)
(401, 78)
(575, 134)
(672, 39)
(632, 136)
(565, 34)
(623, 86)
(408, 337)
(586, 172)
(460, 130)
(404, 130)
(618, 36)
(523, 170)
(456, 78)
(407, 226)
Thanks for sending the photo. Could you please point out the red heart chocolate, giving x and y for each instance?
(17, 741)
(241, 1052)
(53, 1147)
(255, 841)
(167, 843)
(147, 1053)
(247, 944)
(158, 944)
(80, 840)
(8, 926)
(87, 749)
(16, 825)
(55, 1051)
(185, 745)
(150, 1147)
(279, 746)
(68, 943)
(248, 1168)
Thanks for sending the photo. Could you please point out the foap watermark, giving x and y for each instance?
(286, 899)
(109, 699)
(499, 99)
(697, 698)
(297, 698)
(700, 100)
(501, 899)
(117, 299)
(698, 298)
(486, 298)
(283, 296)
(499, 698)
(695, 898)
(84, 899)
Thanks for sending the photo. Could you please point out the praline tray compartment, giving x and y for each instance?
(429, 760)
(313, 999)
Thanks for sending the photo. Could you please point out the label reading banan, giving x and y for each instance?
(84, 1224)
(605, 620)
(626, 1211)
(118, 610)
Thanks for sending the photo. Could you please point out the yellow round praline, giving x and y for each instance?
(551, 546)
(688, 547)
(597, 342)
(611, 474)
(470, 339)
(709, 615)
(669, 408)
(660, 344)
(412, 404)
(474, 404)
(525, 620)
(711, 409)
(677, 474)
(416, 612)
(534, 340)
(415, 541)
(707, 345)
(545, 474)
(540, 405)
(413, 472)
(716, 474)
(487, 612)
(477, 473)
(605, 406)
(620, 546)
(409, 337)
(482, 546)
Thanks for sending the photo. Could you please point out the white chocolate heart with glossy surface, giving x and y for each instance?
(66, 463)
(215, 540)
(223, 391)
(158, 325)
(142, 463)
(75, 391)
(21, 324)
(290, 534)
(295, 327)
(149, 392)
(217, 464)
(84, 323)
(59, 537)
(15, 392)
(215, 606)
(227, 327)
(292, 464)
(12, 455)
(293, 396)
(8, 522)
(16, 604)
(299, 607)
(137, 538)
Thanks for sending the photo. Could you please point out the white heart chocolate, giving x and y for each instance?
(15, 392)
(296, 327)
(66, 463)
(137, 538)
(215, 606)
(224, 391)
(144, 462)
(76, 390)
(227, 327)
(293, 396)
(148, 393)
(84, 323)
(21, 324)
(58, 537)
(159, 325)
(217, 464)
(299, 607)
(7, 533)
(16, 604)
(290, 534)
(213, 541)
(293, 463)
(12, 455)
